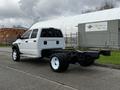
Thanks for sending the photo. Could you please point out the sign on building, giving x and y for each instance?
(99, 26)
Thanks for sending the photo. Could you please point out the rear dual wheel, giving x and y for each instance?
(87, 62)
(58, 62)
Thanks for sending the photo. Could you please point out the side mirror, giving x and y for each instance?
(19, 36)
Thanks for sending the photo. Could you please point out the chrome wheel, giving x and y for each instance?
(55, 63)
(58, 62)
(14, 55)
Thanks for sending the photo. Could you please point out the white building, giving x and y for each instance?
(68, 24)
(102, 21)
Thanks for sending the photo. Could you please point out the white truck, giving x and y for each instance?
(50, 43)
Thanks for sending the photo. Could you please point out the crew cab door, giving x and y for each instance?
(28, 43)
(24, 42)
(33, 43)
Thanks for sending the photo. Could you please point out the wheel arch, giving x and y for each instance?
(15, 46)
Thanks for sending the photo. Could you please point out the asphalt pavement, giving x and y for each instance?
(34, 74)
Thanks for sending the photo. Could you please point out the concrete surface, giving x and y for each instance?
(33, 74)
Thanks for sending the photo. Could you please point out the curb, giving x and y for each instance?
(108, 66)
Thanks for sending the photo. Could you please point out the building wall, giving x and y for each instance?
(108, 38)
(81, 36)
(119, 33)
(8, 35)
(113, 33)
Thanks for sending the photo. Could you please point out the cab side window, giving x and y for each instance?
(26, 34)
(51, 32)
(34, 33)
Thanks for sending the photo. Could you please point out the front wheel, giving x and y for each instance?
(58, 63)
(15, 55)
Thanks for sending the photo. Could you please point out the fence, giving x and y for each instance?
(94, 40)
(71, 40)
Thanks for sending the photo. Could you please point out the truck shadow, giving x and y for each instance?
(76, 68)
(34, 61)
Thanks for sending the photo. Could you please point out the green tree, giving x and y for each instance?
(107, 4)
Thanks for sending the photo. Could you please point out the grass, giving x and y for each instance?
(113, 59)
(4, 45)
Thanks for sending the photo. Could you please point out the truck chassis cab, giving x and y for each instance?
(50, 43)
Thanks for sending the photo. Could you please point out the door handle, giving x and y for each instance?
(26, 41)
(34, 40)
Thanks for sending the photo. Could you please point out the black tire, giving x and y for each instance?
(15, 55)
(87, 62)
(61, 60)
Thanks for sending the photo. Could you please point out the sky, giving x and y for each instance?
(27, 12)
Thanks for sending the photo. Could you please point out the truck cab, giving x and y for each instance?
(34, 41)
